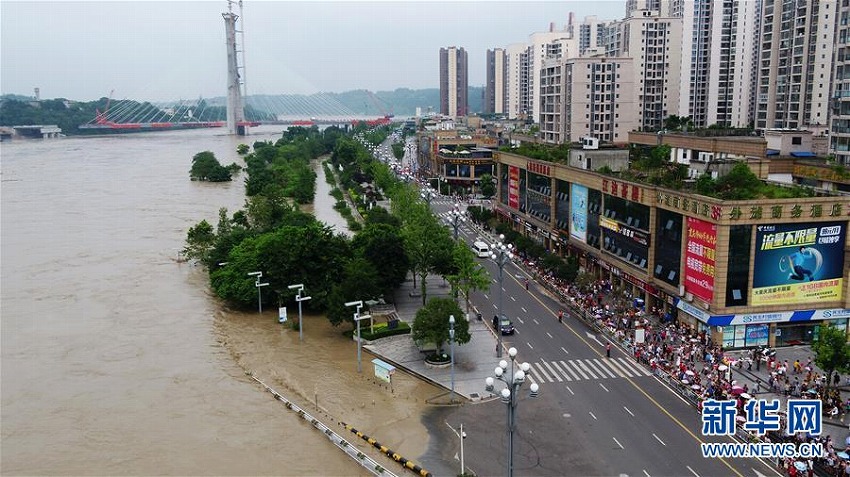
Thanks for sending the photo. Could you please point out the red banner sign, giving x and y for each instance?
(513, 187)
(699, 258)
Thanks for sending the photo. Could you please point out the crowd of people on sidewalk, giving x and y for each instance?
(688, 359)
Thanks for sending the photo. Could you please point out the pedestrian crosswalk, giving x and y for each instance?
(585, 369)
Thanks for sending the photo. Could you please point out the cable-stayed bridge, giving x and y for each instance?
(238, 111)
(295, 110)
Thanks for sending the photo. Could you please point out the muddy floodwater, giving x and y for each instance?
(116, 360)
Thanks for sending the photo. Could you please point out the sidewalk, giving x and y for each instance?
(757, 378)
(474, 361)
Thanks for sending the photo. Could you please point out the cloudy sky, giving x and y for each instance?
(158, 50)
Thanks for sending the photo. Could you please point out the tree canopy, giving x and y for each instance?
(431, 324)
(832, 352)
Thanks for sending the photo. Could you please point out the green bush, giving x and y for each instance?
(380, 330)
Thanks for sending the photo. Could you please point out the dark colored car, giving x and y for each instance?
(505, 325)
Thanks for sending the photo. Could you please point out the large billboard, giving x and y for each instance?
(699, 258)
(798, 263)
(513, 187)
(578, 212)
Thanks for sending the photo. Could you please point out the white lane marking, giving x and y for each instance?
(549, 335)
(636, 368)
(581, 364)
(571, 391)
(577, 368)
(692, 470)
(543, 372)
(520, 320)
(564, 349)
(646, 473)
(495, 306)
(554, 373)
(604, 368)
(627, 410)
(512, 298)
(593, 367)
(592, 336)
(616, 369)
(621, 370)
(523, 309)
(603, 387)
(532, 379)
(561, 371)
(575, 376)
(495, 281)
(535, 321)
(529, 344)
(592, 415)
(658, 439)
(621, 445)
(486, 297)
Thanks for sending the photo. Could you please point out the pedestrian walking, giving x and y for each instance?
(608, 349)
(526, 284)
(560, 316)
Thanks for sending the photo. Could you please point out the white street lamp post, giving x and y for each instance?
(452, 343)
(257, 284)
(427, 195)
(299, 299)
(461, 435)
(357, 318)
(501, 254)
(456, 217)
(510, 396)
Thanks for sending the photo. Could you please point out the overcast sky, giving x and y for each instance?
(151, 50)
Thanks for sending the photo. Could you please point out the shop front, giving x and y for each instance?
(782, 328)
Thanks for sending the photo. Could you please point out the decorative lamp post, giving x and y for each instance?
(510, 396)
(452, 343)
(456, 217)
(299, 299)
(502, 255)
(427, 195)
(357, 318)
(257, 284)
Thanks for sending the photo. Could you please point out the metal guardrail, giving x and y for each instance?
(364, 460)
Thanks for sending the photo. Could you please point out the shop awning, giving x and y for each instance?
(803, 154)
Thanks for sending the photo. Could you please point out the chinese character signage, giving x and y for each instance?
(513, 187)
(699, 258)
(578, 212)
(798, 263)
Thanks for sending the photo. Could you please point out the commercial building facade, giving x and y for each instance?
(754, 272)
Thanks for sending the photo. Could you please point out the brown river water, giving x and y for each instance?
(116, 360)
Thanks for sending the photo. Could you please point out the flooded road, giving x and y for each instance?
(115, 358)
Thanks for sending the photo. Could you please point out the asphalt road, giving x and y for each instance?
(594, 416)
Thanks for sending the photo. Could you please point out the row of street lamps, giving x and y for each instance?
(501, 254)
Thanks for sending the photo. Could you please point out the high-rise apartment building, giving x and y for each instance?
(795, 64)
(655, 44)
(587, 97)
(516, 56)
(592, 35)
(454, 82)
(839, 131)
(496, 88)
(717, 76)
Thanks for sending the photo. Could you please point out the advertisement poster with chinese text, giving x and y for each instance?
(798, 263)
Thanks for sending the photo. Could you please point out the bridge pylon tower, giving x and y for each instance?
(236, 123)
